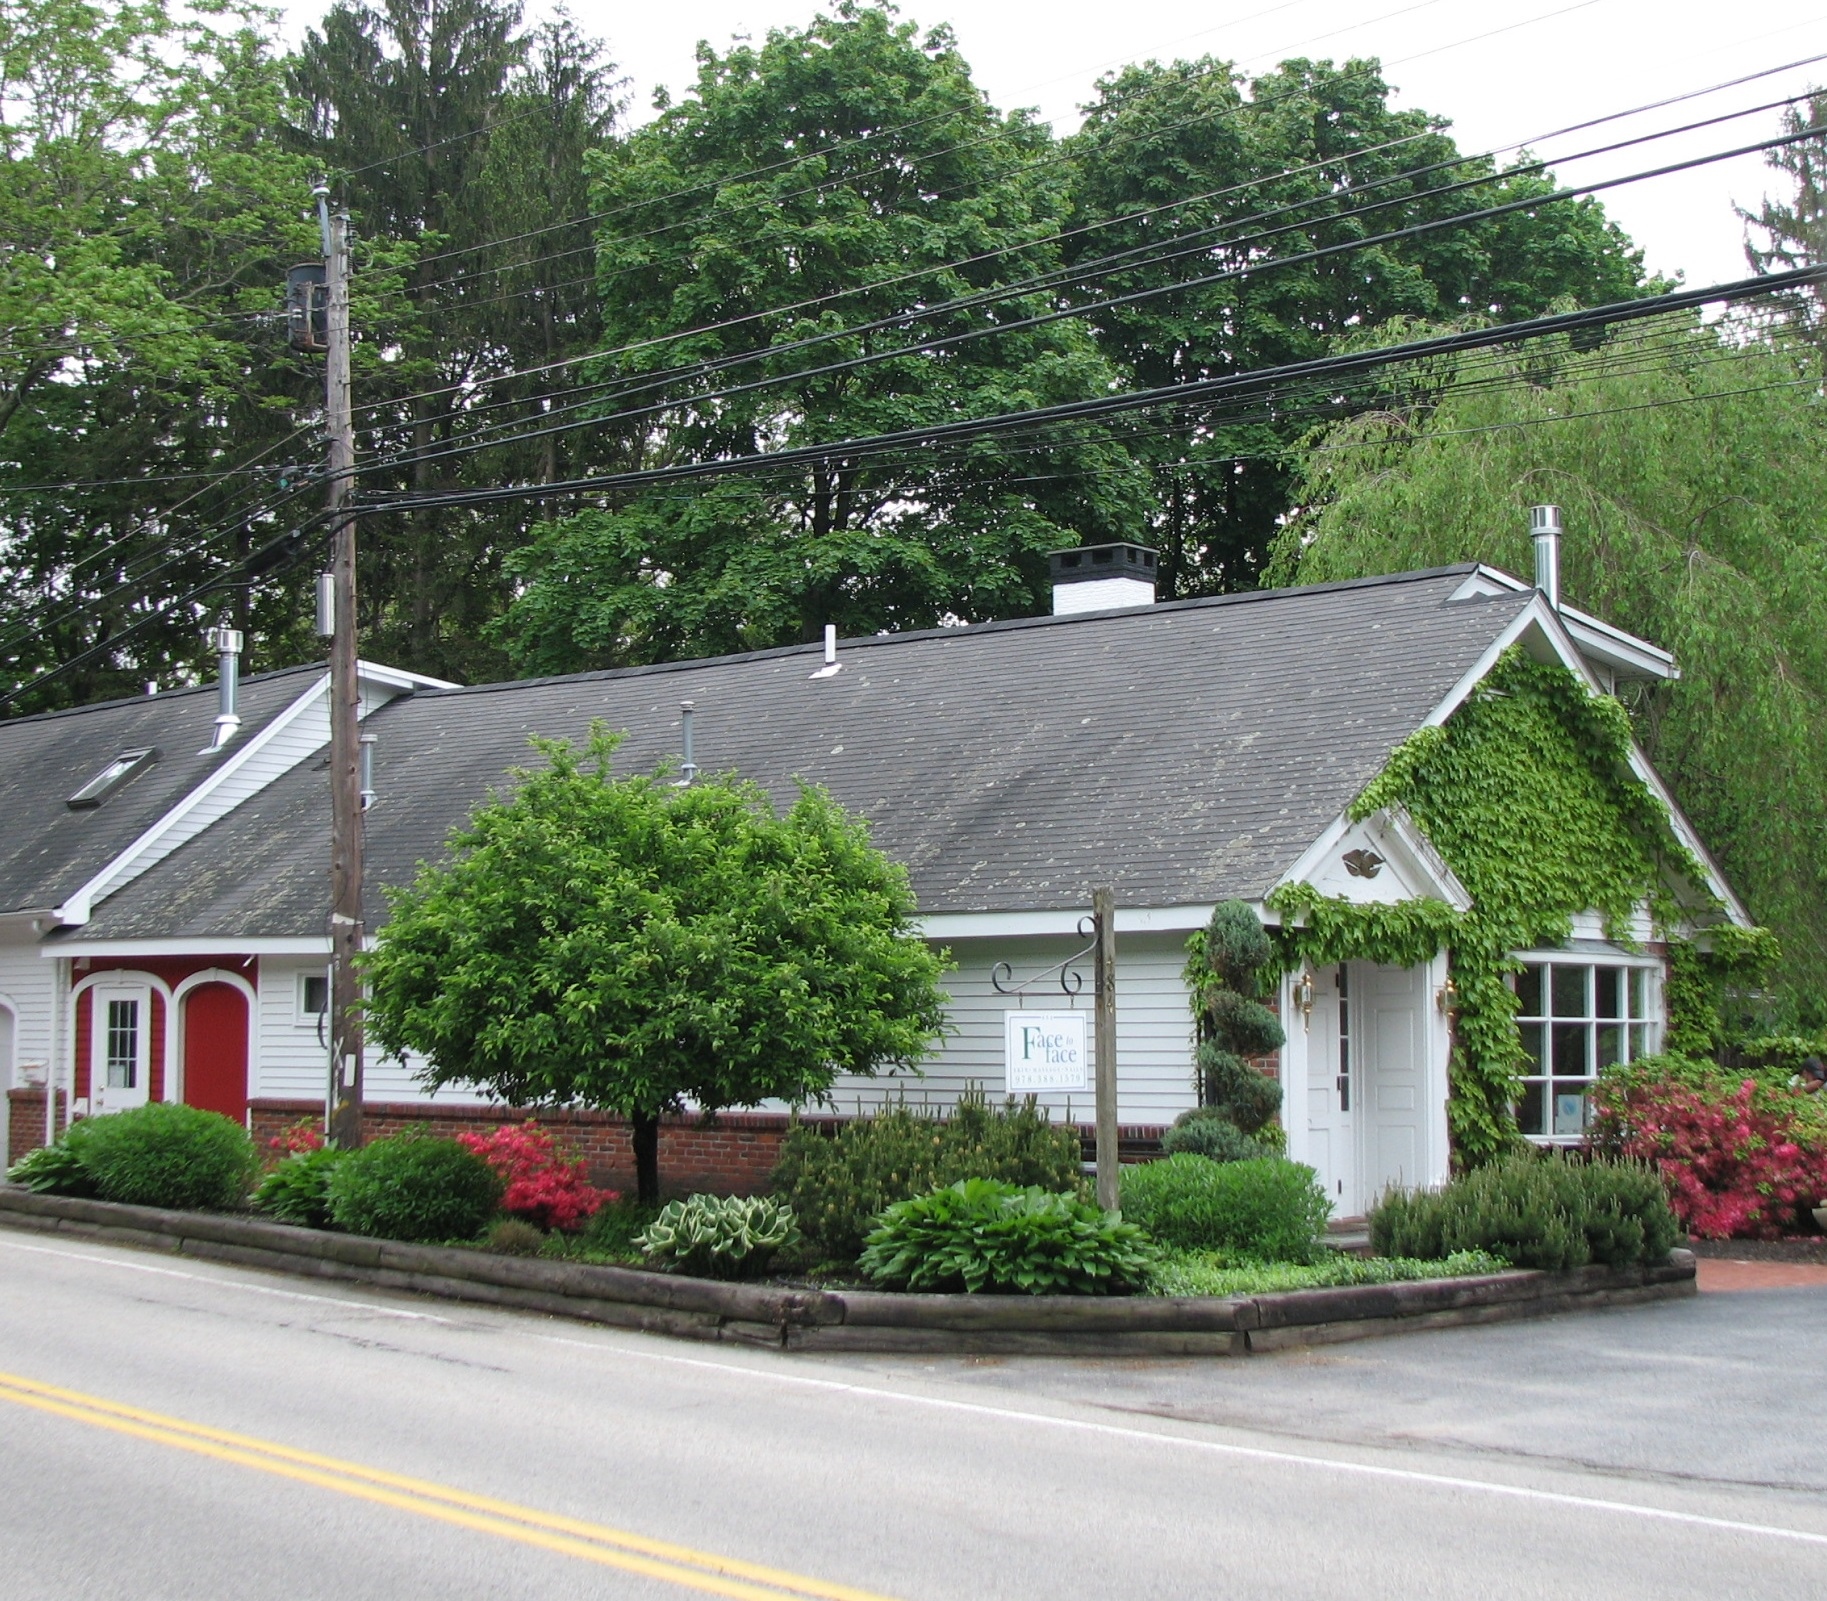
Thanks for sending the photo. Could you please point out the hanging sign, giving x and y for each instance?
(1045, 1051)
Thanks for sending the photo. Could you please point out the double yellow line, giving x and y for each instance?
(572, 1537)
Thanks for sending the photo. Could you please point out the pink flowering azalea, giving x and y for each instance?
(538, 1184)
(1734, 1169)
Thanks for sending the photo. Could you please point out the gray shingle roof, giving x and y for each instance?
(48, 851)
(1182, 752)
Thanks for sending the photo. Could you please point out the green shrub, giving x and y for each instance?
(1536, 1210)
(980, 1235)
(1207, 1132)
(165, 1154)
(1266, 1209)
(1237, 1091)
(838, 1184)
(1201, 1273)
(614, 1228)
(720, 1236)
(53, 1170)
(514, 1236)
(413, 1187)
(298, 1190)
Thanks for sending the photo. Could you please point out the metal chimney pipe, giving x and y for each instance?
(1545, 530)
(366, 743)
(688, 769)
(227, 643)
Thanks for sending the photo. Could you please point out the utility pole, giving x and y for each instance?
(345, 702)
(1103, 914)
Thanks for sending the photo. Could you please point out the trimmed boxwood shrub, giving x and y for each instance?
(1535, 1210)
(165, 1154)
(979, 1235)
(838, 1184)
(298, 1189)
(1265, 1209)
(413, 1187)
(1207, 1132)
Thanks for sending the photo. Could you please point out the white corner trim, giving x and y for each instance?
(1605, 640)
(400, 678)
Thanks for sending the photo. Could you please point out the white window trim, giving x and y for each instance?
(1655, 1011)
(301, 1016)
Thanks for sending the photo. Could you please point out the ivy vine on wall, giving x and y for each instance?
(1528, 794)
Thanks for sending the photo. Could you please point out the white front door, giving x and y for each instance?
(120, 1047)
(1392, 1009)
(1333, 1077)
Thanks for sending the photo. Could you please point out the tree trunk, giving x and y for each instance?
(646, 1136)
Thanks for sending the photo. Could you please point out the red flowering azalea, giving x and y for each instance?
(538, 1183)
(295, 1139)
(1733, 1167)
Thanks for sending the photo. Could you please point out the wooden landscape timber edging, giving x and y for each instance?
(855, 1320)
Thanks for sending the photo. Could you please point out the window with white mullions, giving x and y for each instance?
(123, 1058)
(1577, 1019)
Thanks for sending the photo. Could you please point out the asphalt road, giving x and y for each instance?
(182, 1430)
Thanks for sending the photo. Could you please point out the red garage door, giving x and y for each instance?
(215, 1050)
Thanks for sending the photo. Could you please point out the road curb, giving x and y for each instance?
(856, 1320)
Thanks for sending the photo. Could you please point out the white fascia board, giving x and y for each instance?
(1685, 832)
(942, 926)
(398, 678)
(225, 946)
(1425, 862)
(80, 907)
(1623, 652)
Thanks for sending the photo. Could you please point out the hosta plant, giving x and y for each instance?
(979, 1235)
(298, 1189)
(719, 1236)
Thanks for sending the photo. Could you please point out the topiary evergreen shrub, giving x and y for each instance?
(1265, 1209)
(166, 1154)
(413, 1187)
(1207, 1132)
(837, 1184)
(1534, 1210)
(1227, 978)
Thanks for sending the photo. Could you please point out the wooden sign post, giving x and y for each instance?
(1103, 912)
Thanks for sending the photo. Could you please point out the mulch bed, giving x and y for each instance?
(1807, 1248)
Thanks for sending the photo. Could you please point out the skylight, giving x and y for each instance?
(111, 777)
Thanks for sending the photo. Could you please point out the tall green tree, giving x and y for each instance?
(1314, 152)
(718, 954)
(147, 222)
(833, 175)
(1691, 465)
(1794, 232)
(449, 130)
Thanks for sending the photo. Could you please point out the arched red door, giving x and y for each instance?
(215, 1050)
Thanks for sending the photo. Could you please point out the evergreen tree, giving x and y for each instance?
(1795, 234)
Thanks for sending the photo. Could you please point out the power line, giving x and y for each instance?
(1105, 405)
(1208, 280)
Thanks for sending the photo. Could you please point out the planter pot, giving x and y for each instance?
(1820, 1218)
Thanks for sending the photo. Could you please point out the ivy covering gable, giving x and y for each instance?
(1528, 795)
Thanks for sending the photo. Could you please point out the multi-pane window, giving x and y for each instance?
(122, 1062)
(1577, 1019)
(313, 996)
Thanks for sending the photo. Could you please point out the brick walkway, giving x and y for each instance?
(1723, 1275)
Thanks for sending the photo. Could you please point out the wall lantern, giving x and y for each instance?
(1302, 995)
(1447, 997)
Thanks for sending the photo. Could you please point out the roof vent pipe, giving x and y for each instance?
(1545, 530)
(227, 644)
(688, 768)
(831, 667)
(366, 743)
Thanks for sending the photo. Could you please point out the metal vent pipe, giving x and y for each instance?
(227, 643)
(1545, 530)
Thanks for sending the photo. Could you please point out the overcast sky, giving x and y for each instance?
(1502, 71)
